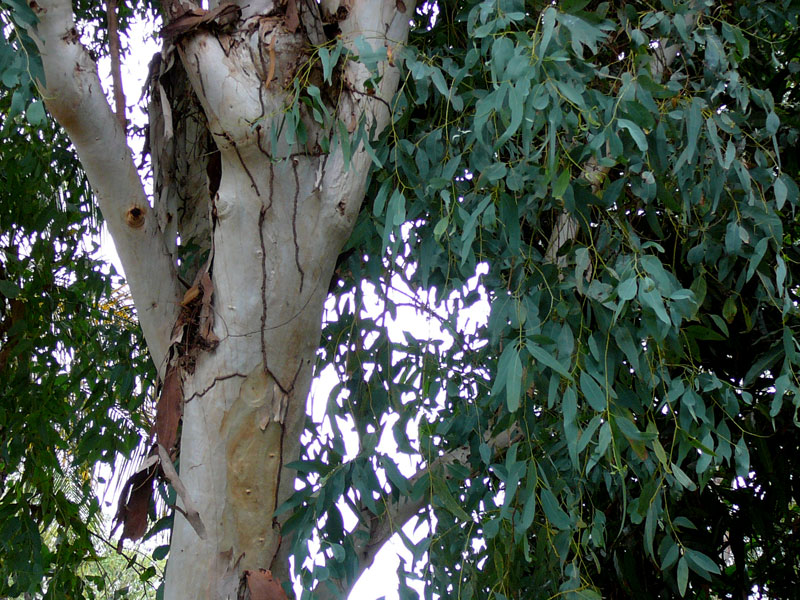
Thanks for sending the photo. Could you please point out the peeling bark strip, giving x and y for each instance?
(169, 409)
(189, 511)
(191, 19)
(133, 505)
(192, 333)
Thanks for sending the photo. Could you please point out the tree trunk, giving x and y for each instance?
(266, 217)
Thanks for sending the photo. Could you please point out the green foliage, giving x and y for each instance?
(646, 374)
(625, 418)
(72, 384)
(20, 64)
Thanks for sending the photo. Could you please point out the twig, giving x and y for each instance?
(116, 73)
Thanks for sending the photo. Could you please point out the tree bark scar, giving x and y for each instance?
(294, 224)
(135, 217)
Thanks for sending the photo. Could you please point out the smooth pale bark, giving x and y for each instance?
(75, 97)
(278, 225)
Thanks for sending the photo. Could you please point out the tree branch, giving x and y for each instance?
(382, 24)
(372, 534)
(116, 74)
(74, 96)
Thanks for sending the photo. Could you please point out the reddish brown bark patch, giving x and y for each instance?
(263, 586)
(169, 409)
(134, 503)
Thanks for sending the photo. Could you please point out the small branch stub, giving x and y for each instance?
(135, 217)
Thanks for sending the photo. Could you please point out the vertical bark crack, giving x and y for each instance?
(261, 218)
(294, 224)
(275, 523)
(244, 166)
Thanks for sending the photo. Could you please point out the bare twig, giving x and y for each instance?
(116, 73)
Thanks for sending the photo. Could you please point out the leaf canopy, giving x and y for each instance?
(616, 182)
(644, 370)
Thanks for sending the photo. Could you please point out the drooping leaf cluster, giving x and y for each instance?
(625, 421)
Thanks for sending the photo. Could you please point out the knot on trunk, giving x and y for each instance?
(135, 217)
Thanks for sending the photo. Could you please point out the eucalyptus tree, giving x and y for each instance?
(621, 175)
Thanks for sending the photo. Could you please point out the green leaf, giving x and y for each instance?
(35, 113)
(625, 342)
(588, 433)
(781, 192)
(327, 64)
(729, 309)
(569, 405)
(636, 133)
(485, 452)
(396, 211)
(650, 529)
(570, 92)
(161, 552)
(9, 289)
(444, 498)
(394, 475)
(441, 227)
(670, 556)
(604, 439)
(541, 355)
(661, 454)
(626, 290)
(782, 383)
(772, 124)
(561, 184)
(652, 299)
(758, 254)
(582, 33)
(439, 82)
(742, 457)
(780, 274)
(683, 575)
(700, 563)
(553, 511)
(314, 92)
(631, 431)
(509, 376)
(693, 124)
(548, 25)
(516, 100)
(593, 392)
(683, 522)
(529, 496)
(682, 478)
